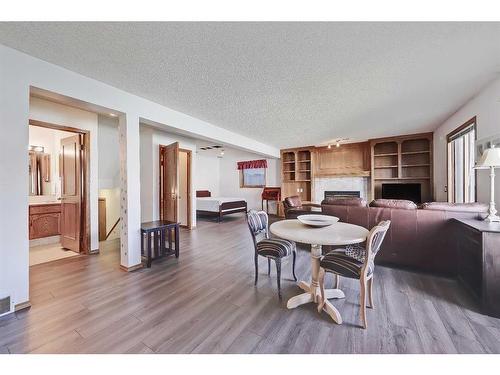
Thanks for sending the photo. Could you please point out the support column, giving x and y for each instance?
(130, 192)
(14, 141)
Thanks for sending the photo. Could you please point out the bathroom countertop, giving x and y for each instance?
(44, 203)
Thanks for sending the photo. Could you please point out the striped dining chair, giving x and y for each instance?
(270, 248)
(355, 262)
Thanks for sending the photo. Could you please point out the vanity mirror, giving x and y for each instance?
(39, 171)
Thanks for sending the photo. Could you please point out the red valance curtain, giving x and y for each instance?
(252, 164)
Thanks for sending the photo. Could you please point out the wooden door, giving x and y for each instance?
(102, 219)
(169, 182)
(70, 168)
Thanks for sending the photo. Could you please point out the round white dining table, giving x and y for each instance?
(337, 234)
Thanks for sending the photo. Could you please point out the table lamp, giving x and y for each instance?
(491, 159)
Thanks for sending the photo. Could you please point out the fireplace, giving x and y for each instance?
(411, 192)
(341, 194)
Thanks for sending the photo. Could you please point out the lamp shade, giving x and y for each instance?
(490, 158)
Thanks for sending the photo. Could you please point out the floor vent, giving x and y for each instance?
(4, 305)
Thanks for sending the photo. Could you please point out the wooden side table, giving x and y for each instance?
(154, 237)
(271, 194)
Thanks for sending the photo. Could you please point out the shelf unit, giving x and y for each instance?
(296, 171)
(402, 159)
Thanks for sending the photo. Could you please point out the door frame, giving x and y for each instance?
(189, 196)
(85, 180)
(466, 124)
(189, 179)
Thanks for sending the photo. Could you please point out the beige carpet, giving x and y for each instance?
(48, 253)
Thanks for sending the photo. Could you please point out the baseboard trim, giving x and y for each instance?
(22, 305)
(130, 269)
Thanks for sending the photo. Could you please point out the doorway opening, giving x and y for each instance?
(175, 184)
(59, 215)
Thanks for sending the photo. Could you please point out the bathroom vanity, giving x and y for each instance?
(44, 220)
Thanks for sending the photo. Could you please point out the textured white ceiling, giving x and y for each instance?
(285, 84)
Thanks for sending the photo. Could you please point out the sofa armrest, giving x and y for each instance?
(311, 205)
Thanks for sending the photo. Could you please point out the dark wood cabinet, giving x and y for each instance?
(478, 261)
(44, 220)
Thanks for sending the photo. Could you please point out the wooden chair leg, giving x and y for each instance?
(278, 275)
(362, 302)
(321, 284)
(337, 282)
(256, 269)
(370, 293)
(268, 266)
(293, 265)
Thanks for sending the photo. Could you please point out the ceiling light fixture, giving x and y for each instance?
(113, 115)
(36, 148)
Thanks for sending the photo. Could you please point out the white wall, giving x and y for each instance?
(208, 173)
(109, 153)
(230, 178)
(18, 73)
(46, 111)
(486, 106)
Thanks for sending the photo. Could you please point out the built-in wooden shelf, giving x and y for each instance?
(415, 152)
(408, 159)
(415, 178)
(297, 172)
(403, 178)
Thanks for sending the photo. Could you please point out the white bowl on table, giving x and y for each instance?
(318, 221)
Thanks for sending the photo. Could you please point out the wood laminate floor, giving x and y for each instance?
(205, 302)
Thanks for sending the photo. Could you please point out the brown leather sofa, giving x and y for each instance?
(419, 238)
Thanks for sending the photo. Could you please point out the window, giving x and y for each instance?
(255, 177)
(461, 175)
(252, 173)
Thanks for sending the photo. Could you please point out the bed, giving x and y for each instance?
(218, 206)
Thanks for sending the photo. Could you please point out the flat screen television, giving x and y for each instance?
(411, 192)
